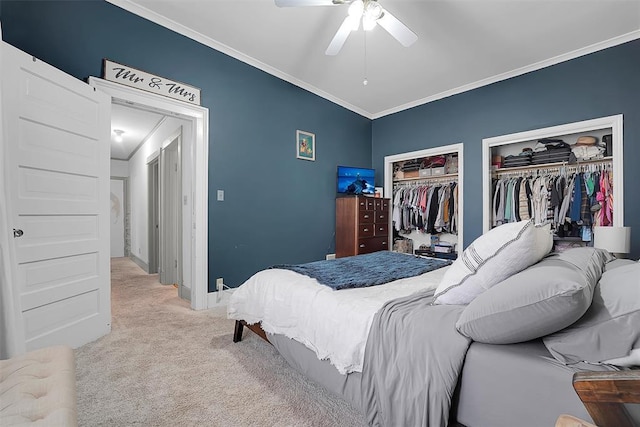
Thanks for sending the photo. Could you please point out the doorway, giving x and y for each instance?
(194, 200)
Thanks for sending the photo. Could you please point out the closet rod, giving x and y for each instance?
(416, 182)
(590, 166)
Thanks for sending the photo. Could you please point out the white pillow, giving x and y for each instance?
(491, 258)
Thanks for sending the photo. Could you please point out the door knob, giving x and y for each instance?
(17, 233)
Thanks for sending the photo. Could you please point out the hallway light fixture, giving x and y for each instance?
(118, 133)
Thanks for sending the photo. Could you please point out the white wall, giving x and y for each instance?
(138, 181)
(119, 168)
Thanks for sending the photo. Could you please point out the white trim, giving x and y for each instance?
(136, 9)
(146, 138)
(444, 149)
(199, 116)
(143, 265)
(613, 122)
(217, 299)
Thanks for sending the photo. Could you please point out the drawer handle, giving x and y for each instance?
(381, 228)
(366, 216)
(362, 245)
(366, 229)
(384, 243)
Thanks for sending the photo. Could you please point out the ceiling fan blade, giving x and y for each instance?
(397, 29)
(296, 3)
(341, 35)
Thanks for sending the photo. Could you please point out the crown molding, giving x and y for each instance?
(517, 72)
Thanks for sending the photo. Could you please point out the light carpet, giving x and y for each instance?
(164, 364)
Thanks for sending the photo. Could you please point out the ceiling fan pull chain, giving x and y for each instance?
(365, 81)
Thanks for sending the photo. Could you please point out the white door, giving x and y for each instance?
(116, 221)
(170, 213)
(154, 215)
(57, 135)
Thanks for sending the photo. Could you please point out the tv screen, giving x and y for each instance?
(356, 180)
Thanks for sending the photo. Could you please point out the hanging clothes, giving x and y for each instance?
(568, 202)
(427, 208)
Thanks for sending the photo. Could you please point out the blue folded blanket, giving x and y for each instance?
(366, 270)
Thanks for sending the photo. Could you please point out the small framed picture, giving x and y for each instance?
(305, 145)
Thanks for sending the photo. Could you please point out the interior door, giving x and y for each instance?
(57, 135)
(154, 215)
(170, 213)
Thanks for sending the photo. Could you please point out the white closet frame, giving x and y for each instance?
(436, 151)
(612, 122)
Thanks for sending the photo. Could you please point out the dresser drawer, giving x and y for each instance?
(381, 217)
(365, 204)
(381, 229)
(384, 205)
(366, 230)
(366, 217)
(373, 244)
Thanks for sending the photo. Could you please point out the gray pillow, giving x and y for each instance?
(611, 327)
(540, 300)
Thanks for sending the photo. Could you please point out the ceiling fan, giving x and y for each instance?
(367, 11)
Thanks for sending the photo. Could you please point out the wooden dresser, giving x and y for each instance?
(362, 225)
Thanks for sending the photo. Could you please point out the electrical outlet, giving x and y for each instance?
(330, 256)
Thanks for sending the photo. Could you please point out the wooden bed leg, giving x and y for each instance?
(237, 332)
(255, 328)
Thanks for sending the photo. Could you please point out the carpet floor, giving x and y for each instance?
(164, 364)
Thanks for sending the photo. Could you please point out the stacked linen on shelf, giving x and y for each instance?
(588, 148)
(522, 159)
(550, 150)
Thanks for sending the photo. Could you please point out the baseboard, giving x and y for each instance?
(185, 293)
(217, 299)
(143, 265)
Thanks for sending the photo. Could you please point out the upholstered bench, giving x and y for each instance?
(39, 388)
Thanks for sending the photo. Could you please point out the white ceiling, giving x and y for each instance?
(137, 125)
(462, 44)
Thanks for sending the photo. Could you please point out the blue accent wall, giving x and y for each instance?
(601, 84)
(277, 209)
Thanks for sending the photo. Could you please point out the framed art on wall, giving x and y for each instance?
(305, 145)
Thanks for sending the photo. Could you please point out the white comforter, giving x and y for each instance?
(334, 324)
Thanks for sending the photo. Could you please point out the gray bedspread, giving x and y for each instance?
(413, 358)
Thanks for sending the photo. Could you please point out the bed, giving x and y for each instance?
(460, 343)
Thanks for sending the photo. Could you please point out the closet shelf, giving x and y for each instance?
(608, 159)
(426, 178)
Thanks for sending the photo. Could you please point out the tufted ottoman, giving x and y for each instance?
(39, 388)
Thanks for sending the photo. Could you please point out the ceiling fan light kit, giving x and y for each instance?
(369, 11)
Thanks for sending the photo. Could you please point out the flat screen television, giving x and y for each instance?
(353, 180)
